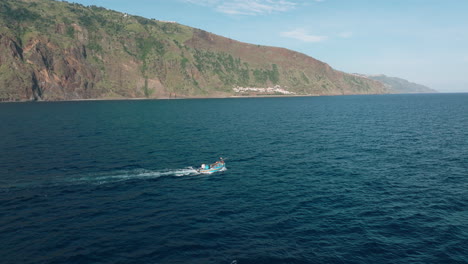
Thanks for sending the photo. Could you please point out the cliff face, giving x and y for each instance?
(60, 51)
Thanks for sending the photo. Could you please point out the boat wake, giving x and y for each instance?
(136, 174)
(100, 178)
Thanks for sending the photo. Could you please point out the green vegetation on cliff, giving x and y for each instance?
(54, 50)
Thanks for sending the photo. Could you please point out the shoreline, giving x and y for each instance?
(206, 97)
(160, 98)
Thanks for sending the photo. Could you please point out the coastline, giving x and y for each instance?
(159, 98)
(202, 97)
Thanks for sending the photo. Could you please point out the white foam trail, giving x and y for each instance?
(119, 176)
(104, 178)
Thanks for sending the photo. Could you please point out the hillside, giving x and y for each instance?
(54, 50)
(399, 85)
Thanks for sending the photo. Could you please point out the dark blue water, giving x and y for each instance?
(350, 179)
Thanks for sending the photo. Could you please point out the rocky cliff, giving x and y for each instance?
(52, 50)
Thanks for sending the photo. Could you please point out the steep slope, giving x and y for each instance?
(53, 50)
(399, 85)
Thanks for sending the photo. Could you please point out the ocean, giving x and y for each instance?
(331, 179)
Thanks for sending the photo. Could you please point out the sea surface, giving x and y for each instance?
(343, 179)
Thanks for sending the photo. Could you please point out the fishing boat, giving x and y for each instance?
(215, 167)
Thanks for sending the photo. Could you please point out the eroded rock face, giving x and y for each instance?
(44, 71)
(60, 74)
(13, 73)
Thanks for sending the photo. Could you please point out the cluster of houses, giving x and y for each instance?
(270, 90)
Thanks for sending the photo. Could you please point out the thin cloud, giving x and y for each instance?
(303, 35)
(247, 7)
(346, 34)
(202, 2)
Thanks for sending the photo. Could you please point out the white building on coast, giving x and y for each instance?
(270, 90)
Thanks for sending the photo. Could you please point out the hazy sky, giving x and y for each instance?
(424, 41)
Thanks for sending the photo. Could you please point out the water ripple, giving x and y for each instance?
(358, 179)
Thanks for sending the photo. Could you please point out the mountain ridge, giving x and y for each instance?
(399, 85)
(56, 51)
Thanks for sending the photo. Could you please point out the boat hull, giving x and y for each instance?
(212, 170)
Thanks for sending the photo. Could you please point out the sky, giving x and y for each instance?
(423, 41)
